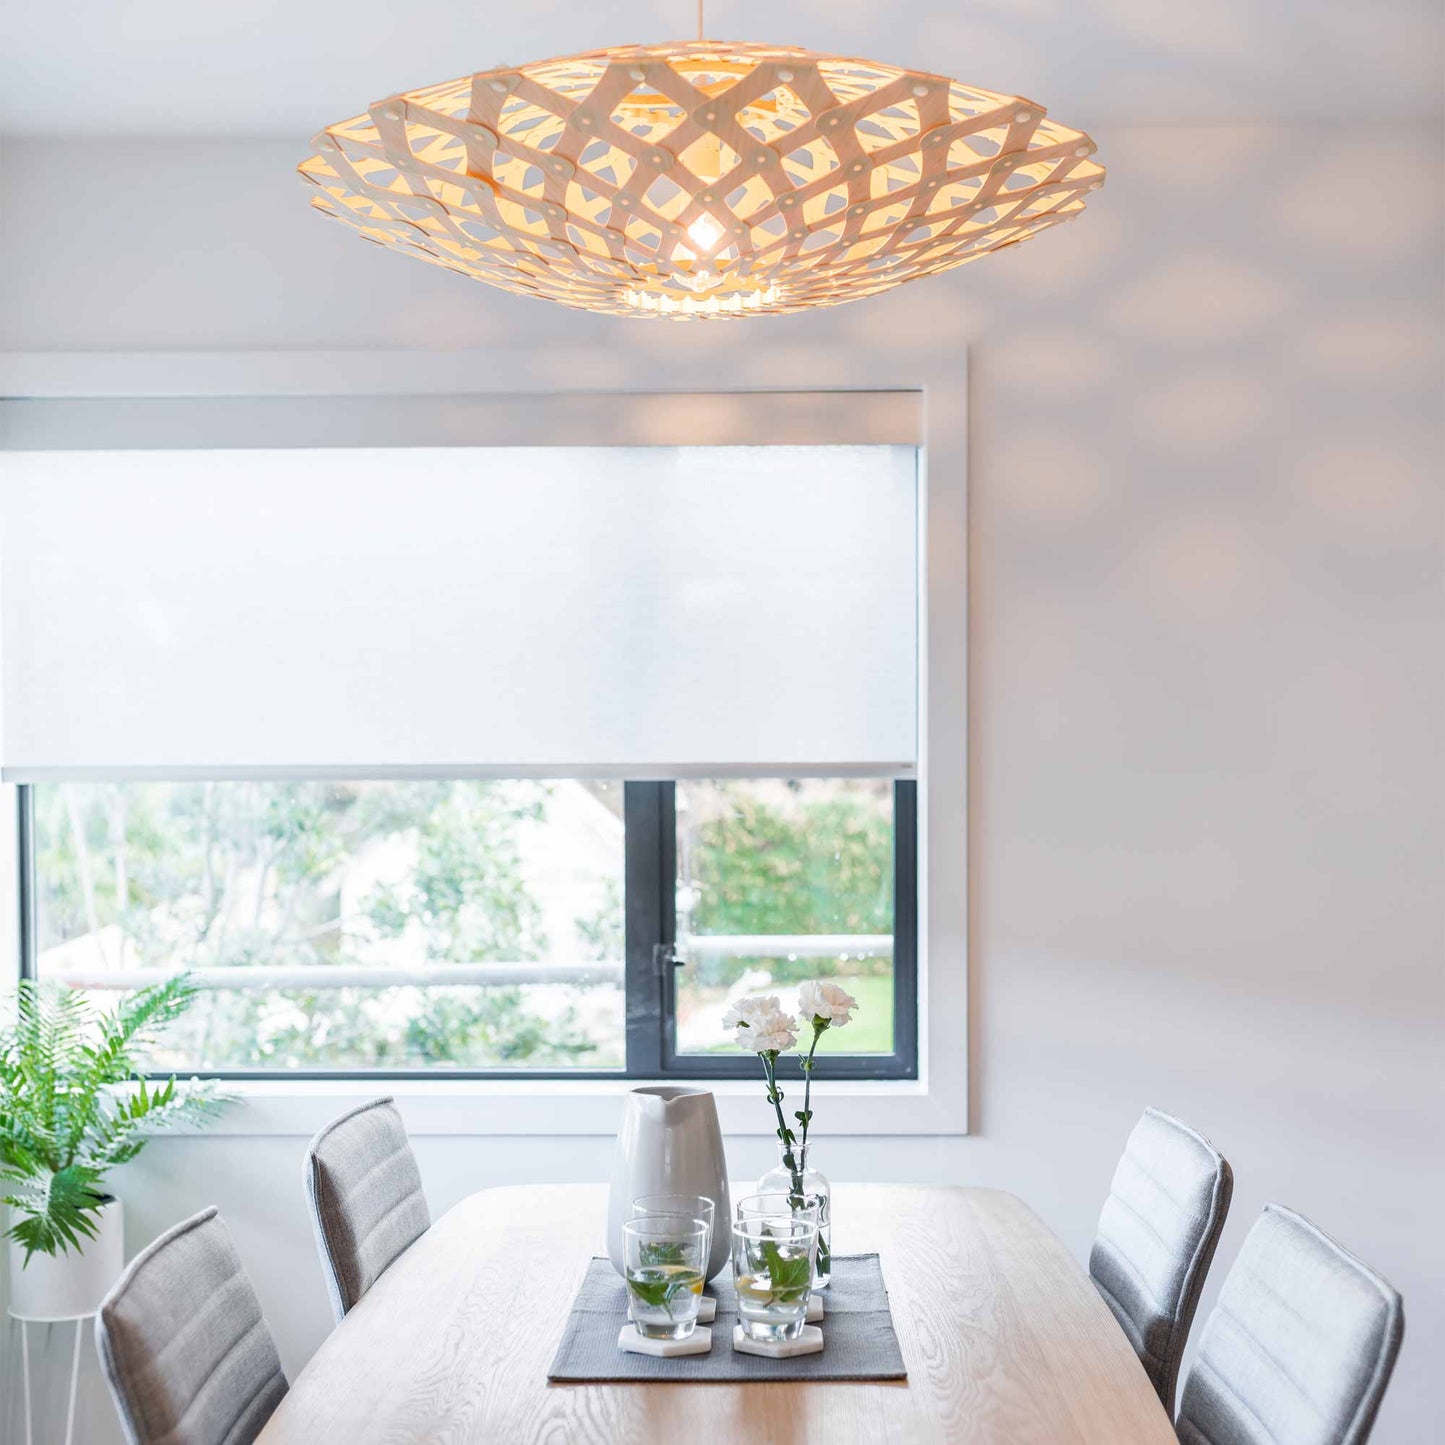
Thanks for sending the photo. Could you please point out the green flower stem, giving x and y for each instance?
(819, 1025)
(785, 1134)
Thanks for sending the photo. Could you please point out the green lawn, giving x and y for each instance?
(871, 1031)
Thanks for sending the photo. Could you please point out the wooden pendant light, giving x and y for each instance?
(701, 179)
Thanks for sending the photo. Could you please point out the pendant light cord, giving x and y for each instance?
(699, 19)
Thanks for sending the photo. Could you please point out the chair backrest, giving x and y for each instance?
(1157, 1233)
(183, 1344)
(1299, 1347)
(366, 1200)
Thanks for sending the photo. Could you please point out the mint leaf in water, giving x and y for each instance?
(790, 1278)
(652, 1292)
(661, 1288)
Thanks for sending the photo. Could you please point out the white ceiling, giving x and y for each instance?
(287, 67)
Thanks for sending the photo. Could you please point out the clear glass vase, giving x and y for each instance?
(794, 1175)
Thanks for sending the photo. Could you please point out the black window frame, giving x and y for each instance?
(650, 960)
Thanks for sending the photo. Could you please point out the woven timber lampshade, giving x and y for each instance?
(701, 179)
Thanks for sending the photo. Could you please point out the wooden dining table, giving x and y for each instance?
(1005, 1340)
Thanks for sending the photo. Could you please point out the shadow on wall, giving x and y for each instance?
(1205, 543)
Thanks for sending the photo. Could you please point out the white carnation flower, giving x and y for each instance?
(761, 1025)
(825, 1001)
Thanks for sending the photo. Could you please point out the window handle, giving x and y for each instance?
(665, 956)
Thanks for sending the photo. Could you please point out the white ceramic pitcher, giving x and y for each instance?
(670, 1143)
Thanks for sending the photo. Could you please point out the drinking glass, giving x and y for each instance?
(698, 1206)
(666, 1262)
(773, 1257)
(764, 1206)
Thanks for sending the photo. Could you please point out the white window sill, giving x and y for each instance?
(564, 1107)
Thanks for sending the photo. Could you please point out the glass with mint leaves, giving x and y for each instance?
(697, 1206)
(665, 1256)
(773, 1258)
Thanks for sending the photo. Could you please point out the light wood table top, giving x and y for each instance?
(1005, 1340)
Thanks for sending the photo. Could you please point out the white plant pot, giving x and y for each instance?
(71, 1285)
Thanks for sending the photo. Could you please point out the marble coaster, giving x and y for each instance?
(810, 1342)
(815, 1309)
(699, 1342)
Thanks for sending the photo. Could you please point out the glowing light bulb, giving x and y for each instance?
(705, 232)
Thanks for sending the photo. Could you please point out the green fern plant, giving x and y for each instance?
(63, 1122)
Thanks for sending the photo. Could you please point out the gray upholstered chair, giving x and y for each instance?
(1299, 1347)
(366, 1201)
(184, 1347)
(1157, 1234)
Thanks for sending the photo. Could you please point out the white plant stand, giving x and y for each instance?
(64, 1289)
(80, 1322)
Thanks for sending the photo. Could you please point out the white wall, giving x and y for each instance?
(1206, 824)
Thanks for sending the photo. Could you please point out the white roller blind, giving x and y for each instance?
(646, 611)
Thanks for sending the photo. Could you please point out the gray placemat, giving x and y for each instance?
(859, 1342)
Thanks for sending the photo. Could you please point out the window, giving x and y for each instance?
(479, 926)
(503, 760)
(780, 880)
